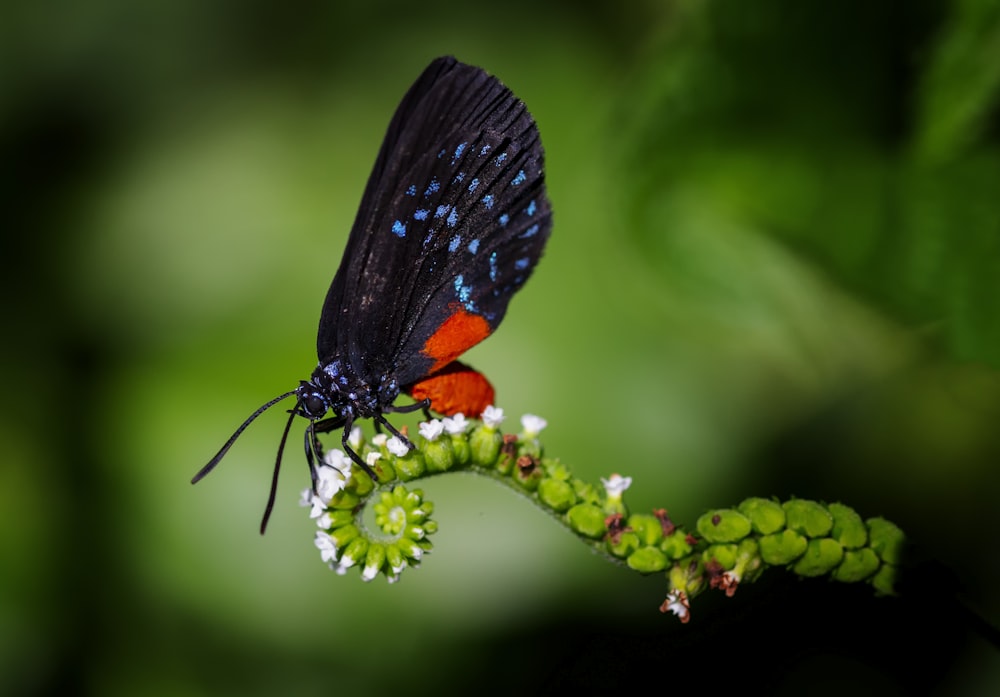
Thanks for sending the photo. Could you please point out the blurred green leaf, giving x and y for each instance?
(864, 147)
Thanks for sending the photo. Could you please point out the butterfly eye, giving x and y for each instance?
(314, 406)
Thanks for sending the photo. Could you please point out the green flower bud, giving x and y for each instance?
(484, 445)
(410, 466)
(527, 473)
(676, 546)
(409, 548)
(808, 518)
(725, 555)
(460, 446)
(765, 516)
(886, 540)
(821, 556)
(394, 558)
(884, 580)
(858, 565)
(438, 455)
(586, 519)
(340, 517)
(354, 552)
(345, 498)
(724, 525)
(647, 527)
(782, 547)
(556, 494)
(749, 565)
(688, 577)
(360, 482)
(848, 528)
(384, 471)
(647, 560)
(373, 561)
(343, 535)
(625, 544)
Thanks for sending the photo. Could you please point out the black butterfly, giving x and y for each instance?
(452, 222)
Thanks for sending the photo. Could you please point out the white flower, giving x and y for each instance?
(677, 603)
(338, 460)
(372, 458)
(533, 425)
(492, 416)
(327, 547)
(324, 521)
(616, 485)
(430, 430)
(318, 507)
(397, 447)
(369, 572)
(456, 424)
(379, 439)
(306, 497)
(354, 440)
(329, 481)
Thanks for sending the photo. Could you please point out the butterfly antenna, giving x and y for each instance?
(277, 468)
(232, 439)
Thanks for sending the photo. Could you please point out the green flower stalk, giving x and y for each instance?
(728, 546)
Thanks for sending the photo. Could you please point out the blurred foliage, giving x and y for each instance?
(773, 271)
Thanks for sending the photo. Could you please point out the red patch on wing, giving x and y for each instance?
(456, 388)
(456, 335)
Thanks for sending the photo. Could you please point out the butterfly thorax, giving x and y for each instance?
(335, 386)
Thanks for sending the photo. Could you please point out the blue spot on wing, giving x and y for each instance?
(420, 214)
(503, 220)
(453, 244)
(452, 218)
(433, 187)
(473, 246)
(488, 200)
(519, 179)
(399, 228)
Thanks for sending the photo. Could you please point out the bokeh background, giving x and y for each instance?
(775, 270)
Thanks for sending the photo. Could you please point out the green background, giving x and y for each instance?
(775, 270)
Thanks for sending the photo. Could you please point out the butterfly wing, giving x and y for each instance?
(451, 224)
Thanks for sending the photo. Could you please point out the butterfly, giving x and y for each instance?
(452, 222)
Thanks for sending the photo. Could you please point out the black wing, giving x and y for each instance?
(454, 216)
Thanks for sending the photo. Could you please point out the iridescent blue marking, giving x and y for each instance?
(441, 211)
(530, 210)
(420, 214)
(473, 185)
(522, 264)
(453, 244)
(464, 293)
(458, 152)
(433, 187)
(488, 200)
(486, 149)
(530, 232)
(399, 228)
(429, 237)
(519, 179)
(473, 246)
(498, 160)
(459, 178)
(503, 220)
(452, 218)
(441, 154)
(493, 266)
(412, 190)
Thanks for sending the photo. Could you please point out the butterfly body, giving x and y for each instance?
(452, 222)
